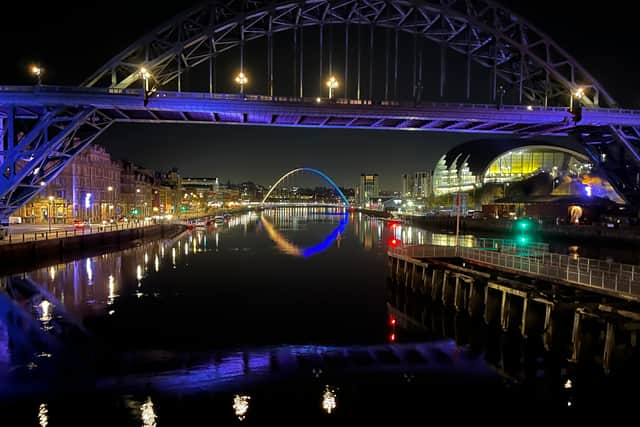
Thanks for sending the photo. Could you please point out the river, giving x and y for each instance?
(242, 322)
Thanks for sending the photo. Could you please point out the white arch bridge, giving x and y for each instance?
(322, 175)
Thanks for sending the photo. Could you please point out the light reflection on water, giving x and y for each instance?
(95, 283)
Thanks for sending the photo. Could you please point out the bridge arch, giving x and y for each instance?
(314, 171)
(516, 52)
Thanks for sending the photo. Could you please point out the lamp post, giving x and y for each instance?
(135, 209)
(111, 195)
(332, 83)
(37, 71)
(50, 210)
(242, 80)
(578, 94)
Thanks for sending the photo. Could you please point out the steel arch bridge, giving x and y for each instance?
(42, 128)
(313, 171)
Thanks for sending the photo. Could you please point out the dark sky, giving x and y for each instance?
(73, 39)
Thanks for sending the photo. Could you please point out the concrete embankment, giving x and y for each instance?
(19, 257)
(552, 231)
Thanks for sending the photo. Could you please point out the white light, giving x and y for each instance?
(148, 414)
(89, 271)
(568, 384)
(156, 263)
(112, 294)
(318, 100)
(529, 108)
(139, 272)
(328, 400)
(43, 415)
(173, 256)
(45, 306)
(52, 272)
(241, 406)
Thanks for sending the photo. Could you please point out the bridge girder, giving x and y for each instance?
(517, 52)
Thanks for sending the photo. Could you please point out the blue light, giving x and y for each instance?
(328, 241)
(87, 200)
(587, 190)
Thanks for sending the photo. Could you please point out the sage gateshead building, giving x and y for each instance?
(499, 162)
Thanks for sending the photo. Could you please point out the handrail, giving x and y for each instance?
(621, 279)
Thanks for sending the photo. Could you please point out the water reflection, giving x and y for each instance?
(290, 248)
(241, 405)
(148, 414)
(328, 400)
(43, 415)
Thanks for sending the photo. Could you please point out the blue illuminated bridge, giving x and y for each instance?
(356, 64)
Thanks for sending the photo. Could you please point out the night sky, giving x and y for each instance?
(74, 40)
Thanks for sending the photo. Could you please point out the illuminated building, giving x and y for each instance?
(369, 188)
(499, 163)
(407, 185)
(81, 190)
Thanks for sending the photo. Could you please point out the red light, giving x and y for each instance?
(392, 337)
(394, 242)
(393, 225)
(393, 321)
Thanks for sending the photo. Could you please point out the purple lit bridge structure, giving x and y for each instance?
(358, 64)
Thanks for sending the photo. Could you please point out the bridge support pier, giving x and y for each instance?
(609, 346)
(576, 336)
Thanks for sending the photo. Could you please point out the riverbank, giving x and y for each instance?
(577, 232)
(24, 256)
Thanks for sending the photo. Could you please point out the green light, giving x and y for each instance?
(134, 211)
(523, 239)
(183, 208)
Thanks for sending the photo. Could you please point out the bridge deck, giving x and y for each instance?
(129, 105)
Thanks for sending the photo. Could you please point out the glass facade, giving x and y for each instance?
(448, 179)
(453, 175)
(529, 161)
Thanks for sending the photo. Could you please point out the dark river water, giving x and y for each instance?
(280, 317)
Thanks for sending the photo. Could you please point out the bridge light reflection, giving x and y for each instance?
(148, 414)
(329, 400)
(289, 248)
(43, 415)
(241, 406)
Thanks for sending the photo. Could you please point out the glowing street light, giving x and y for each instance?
(146, 75)
(38, 72)
(332, 83)
(242, 80)
(50, 211)
(578, 94)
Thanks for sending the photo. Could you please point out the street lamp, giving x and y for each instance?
(146, 75)
(332, 83)
(136, 202)
(111, 196)
(50, 210)
(578, 94)
(242, 80)
(37, 71)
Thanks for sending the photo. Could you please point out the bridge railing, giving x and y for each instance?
(266, 98)
(620, 279)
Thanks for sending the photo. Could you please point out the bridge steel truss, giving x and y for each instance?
(37, 142)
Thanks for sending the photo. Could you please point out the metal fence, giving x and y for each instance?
(14, 237)
(618, 278)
